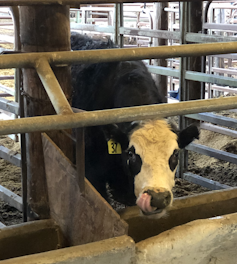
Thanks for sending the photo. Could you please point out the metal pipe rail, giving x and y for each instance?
(72, 2)
(52, 87)
(27, 60)
(103, 117)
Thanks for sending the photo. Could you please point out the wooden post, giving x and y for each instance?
(161, 22)
(43, 28)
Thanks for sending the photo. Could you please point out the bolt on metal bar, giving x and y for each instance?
(71, 2)
(52, 87)
(27, 60)
(103, 117)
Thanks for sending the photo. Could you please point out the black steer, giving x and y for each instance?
(136, 160)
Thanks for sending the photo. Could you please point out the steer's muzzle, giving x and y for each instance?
(154, 201)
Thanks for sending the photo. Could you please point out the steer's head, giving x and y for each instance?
(151, 159)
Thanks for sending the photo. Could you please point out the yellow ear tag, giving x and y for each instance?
(114, 147)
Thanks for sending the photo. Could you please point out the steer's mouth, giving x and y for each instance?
(153, 203)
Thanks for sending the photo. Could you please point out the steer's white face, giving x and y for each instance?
(155, 143)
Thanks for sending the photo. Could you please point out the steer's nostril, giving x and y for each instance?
(159, 200)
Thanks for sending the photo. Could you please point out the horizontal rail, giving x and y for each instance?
(215, 119)
(209, 184)
(194, 76)
(73, 2)
(88, 27)
(197, 37)
(6, 89)
(94, 56)
(223, 89)
(218, 129)
(7, 155)
(152, 33)
(103, 117)
(9, 106)
(11, 198)
(231, 27)
(215, 153)
(210, 78)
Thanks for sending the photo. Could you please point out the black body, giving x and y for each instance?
(105, 86)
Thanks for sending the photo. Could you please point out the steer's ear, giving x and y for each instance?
(112, 131)
(187, 135)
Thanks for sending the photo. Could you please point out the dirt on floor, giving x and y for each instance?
(10, 178)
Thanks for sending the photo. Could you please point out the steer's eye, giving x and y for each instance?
(173, 160)
(131, 156)
(134, 161)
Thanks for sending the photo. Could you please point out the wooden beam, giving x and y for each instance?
(29, 238)
(115, 250)
(11, 198)
(53, 24)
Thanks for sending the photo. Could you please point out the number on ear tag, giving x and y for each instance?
(114, 147)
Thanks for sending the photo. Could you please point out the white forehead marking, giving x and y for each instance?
(154, 135)
(155, 143)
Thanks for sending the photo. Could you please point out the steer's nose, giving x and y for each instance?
(160, 199)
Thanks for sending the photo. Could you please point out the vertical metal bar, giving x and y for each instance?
(80, 159)
(182, 82)
(121, 39)
(116, 24)
(18, 76)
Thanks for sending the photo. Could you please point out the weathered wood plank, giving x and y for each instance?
(9, 106)
(115, 250)
(215, 153)
(83, 219)
(29, 238)
(11, 198)
(10, 156)
(209, 184)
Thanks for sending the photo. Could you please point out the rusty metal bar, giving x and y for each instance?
(72, 2)
(103, 117)
(52, 87)
(27, 60)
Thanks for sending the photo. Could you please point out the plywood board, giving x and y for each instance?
(82, 218)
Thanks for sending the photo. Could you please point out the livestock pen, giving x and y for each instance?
(71, 229)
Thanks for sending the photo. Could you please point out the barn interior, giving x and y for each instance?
(45, 217)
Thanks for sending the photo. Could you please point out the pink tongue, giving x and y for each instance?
(144, 202)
